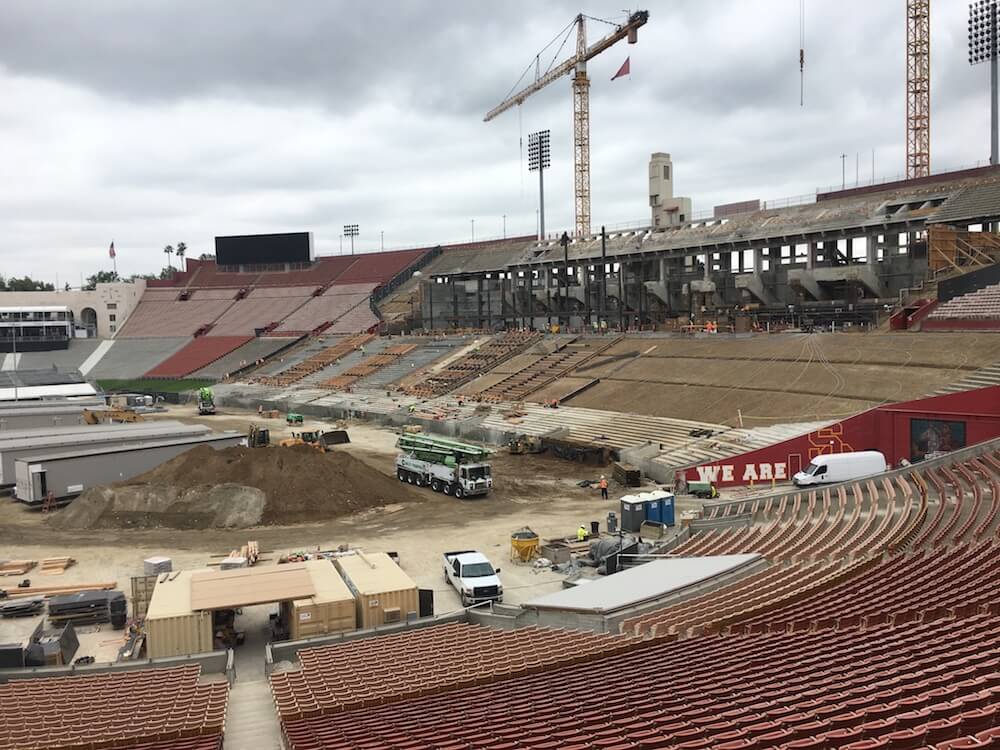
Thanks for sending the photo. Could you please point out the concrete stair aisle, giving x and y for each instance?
(982, 378)
(251, 721)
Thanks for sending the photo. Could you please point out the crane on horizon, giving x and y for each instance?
(577, 65)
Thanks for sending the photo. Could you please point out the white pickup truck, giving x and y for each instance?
(473, 577)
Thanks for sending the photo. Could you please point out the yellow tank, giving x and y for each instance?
(523, 545)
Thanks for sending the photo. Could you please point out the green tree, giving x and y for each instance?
(101, 277)
(179, 252)
(27, 284)
(168, 250)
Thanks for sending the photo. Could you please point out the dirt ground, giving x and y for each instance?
(535, 491)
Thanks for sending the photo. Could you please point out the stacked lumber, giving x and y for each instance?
(16, 567)
(48, 591)
(55, 566)
(626, 475)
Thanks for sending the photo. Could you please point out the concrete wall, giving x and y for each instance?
(212, 662)
(118, 300)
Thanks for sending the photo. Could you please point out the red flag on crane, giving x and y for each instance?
(624, 70)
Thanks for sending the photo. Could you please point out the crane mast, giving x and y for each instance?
(577, 66)
(918, 88)
(581, 132)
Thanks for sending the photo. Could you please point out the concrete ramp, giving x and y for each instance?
(10, 361)
(96, 356)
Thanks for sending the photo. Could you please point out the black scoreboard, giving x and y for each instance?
(247, 249)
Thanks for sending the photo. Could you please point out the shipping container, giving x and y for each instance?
(68, 473)
(88, 435)
(172, 628)
(383, 592)
(330, 610)
(42, 416)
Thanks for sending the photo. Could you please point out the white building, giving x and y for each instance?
(97, 313)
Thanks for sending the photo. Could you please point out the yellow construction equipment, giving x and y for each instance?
(102, 416)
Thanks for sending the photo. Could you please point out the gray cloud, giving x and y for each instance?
(155, 121)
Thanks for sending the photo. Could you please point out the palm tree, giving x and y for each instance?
(169, 250)
(179, 252)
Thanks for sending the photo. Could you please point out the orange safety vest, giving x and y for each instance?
(604, 484)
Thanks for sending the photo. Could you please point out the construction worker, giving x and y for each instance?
(603, 484)
(581, 533)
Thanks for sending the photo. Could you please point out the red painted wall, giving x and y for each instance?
(885, 428)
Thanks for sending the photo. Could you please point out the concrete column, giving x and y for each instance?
(708, 266)
(758, 260)
(664, 270)
(872, 249)
(810, 255)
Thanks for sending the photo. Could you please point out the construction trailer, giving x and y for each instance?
(311, 595)
(65, 474)
(92, 435)
(383, 593)
(41, 415)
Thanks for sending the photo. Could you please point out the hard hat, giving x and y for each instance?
(602, 476)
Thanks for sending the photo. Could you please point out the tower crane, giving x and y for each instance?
(577, 65)
(918, 88)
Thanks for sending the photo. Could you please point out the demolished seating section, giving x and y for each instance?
(927, 506)
(200, 353)
(547, 368)
(983, 304)
(127, 709)
(919, 685)
(422, 662)
(313, 364)
(369, 366)
(498, 349)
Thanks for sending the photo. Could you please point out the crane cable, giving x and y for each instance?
(565, 34)
(802, 52)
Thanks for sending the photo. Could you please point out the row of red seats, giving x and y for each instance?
(900, 687)
(933, 507)
(126, 708)
(396, 667)
(903, 588)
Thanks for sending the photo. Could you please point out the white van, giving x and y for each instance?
(840, 467)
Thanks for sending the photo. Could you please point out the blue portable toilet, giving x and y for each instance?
(659, 507)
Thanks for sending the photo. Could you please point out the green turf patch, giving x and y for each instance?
(148, 385)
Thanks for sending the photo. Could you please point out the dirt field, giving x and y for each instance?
(783, 377)
(533, 491)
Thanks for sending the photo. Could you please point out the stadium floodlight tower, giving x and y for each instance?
(351, 230)
(983, 21)
(538, 161)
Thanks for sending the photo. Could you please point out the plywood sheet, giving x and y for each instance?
(229, 589)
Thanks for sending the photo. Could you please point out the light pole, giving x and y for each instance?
(473, 221)
(505, 226)
(351, 230)
(983, 47)
(538, 161)
(381, 240)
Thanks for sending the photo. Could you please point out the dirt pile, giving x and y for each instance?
(238, 487)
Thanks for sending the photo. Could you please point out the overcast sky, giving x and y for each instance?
(154, 121)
